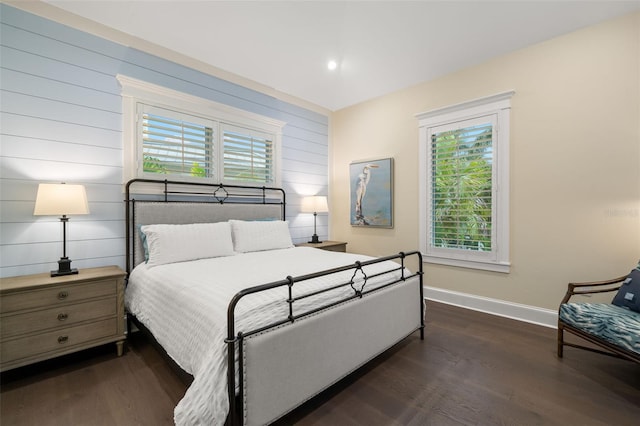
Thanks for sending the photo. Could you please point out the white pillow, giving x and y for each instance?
(180, 243)
(260, 235)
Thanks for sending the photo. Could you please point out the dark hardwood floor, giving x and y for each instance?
(471, 369)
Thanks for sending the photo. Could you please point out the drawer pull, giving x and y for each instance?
(62, 317)
(63, 339)
(63, 295)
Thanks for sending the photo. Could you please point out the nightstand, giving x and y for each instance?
(43, 317)
(327, 245)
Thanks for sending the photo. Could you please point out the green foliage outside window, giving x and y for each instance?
(462, 189)
(154, 165)
(197, 170)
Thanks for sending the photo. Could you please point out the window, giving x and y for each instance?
(464, 186)
(173, 135)
(175, 144)
(248, 155)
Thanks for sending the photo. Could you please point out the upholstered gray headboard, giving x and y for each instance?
(196, 204)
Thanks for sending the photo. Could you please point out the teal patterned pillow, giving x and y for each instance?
(145, 245)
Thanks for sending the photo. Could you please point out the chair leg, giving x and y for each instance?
(560, 340)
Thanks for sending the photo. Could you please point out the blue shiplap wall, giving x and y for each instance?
(61, 120)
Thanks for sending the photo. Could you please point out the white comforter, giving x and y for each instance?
(185, 306)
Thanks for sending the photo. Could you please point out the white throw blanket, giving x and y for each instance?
(185, 305)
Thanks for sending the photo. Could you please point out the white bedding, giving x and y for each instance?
(185, 304)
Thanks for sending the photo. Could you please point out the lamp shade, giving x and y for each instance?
(315, 204)
(60, 199)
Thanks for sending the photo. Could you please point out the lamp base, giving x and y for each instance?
(64, 268)
(314, 239)
(61, 273)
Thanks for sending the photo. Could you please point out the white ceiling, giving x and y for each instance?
(381, 46)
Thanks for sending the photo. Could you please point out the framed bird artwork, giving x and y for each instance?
(371, 193)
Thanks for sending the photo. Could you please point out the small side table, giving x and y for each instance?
(42, 317)
(340, 246)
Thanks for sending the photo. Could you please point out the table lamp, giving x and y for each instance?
(61, 199)
(315, 204)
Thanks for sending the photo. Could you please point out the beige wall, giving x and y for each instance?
(575, 162)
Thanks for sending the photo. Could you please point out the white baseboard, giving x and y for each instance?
(516, 311)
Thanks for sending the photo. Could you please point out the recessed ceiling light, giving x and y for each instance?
(332, 65)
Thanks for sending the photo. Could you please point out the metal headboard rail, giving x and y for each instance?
(234, 339)
(218, 186)
(204, 193)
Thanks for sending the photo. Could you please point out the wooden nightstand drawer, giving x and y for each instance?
(62, 316)
(56, 340)
(57, 295)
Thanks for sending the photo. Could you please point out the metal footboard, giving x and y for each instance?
(359, 289)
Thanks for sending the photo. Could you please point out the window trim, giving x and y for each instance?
(136, 91)
(500, 106)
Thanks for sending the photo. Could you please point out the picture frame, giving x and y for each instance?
(371, 193)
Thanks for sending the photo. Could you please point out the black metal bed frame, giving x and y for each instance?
(219, 193)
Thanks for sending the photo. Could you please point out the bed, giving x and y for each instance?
(261, 325)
